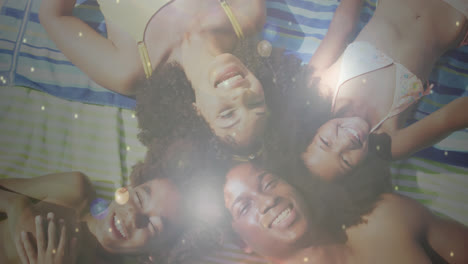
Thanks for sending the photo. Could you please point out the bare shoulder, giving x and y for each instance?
(402, 210)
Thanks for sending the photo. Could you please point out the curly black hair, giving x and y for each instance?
(165, 102)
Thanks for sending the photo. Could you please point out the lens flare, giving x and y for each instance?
(99, 208)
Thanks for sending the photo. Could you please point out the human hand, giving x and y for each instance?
(48, 251)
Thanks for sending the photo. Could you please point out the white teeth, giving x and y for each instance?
(229, 81)
(282, 216)
(353, 132)
(119, 226)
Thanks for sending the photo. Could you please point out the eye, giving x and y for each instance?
(152, 228)
(324, 141)
(139, 199)
(270, 184)
(244, 208)
(226, 114)
(348, 164)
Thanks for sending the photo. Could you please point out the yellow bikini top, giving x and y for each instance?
(141, 12)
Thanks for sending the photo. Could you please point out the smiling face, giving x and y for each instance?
(148, 220)
(338, 147)
(231, 100)
(267, 213)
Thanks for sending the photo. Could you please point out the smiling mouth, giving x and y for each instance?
(229, 77)
(354, 136)
(284, 219)
(118, 228)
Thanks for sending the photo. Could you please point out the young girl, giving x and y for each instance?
(378, 77)
(144, 221)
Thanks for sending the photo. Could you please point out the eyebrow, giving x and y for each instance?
(240, 197)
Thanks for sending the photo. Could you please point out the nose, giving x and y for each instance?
(250, 98)
(267, 201)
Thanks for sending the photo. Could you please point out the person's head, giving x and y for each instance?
(227, 96)
(147, 220)
(338, 147)
(269, 215)
(231, 100)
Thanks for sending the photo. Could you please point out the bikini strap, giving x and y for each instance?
(145, 59)
(232, 18)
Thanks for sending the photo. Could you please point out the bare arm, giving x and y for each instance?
(69, 189)
(111, 64)
(431, 129)
(340, 31)
(448, 238)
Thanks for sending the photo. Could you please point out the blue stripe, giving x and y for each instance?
(42, 58)
(12, 12)
(298, 19)
(78, 94)
(453, 157)
(41, 47)
(307, 5)
(7, 40)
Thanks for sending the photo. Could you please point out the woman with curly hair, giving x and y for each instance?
(146, 221)
(375, 83)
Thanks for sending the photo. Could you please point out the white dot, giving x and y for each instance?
(133, 115)
(76, 116)
(274, 80)
(378, 147)
(183, 241)
(446, 153)
(396, 188)
(25, 40)
(343, 227)
(128, 148)
(80, 34)
(117, 1)
(42, 108)
(364, 80)
(32, 69)
(110, 229)
(122, 195)
(293, 79)
(432, 91)
(3, 81)
(308, 103)
(290, 23)
(148, 64)
(2, 78)
(234, 134)
(264, 48)
(451, 254)
(53, 251)
(306, 259)
(457, 23)
(118, 221)
(77, 230)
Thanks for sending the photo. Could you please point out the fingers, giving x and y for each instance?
(73, 250)
(40, 235)
(21, 251)
(30, 252)
(51, 232)
(63, 239)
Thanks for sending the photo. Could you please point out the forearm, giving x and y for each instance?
(342, 28)
(69, 189)
(431, 129)
(111, 66)
(9, 199)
